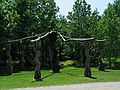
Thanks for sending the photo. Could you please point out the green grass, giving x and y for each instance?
(68, 75)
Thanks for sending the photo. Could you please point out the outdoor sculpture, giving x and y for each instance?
(37, 48)
(87, 72)
(87, 43)
(100, 44)
(9, 68)
(52, 37)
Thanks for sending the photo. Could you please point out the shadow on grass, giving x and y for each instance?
(48, 75)
(106, 71)
(44, 77)
(92, 77)
(70, 74)
(78, 75)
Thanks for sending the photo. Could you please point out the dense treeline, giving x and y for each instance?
(22, 18)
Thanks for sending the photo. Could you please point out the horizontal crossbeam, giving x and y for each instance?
(43, 35)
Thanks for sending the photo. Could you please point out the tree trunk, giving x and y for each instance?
(37, 75)
(9, 67)
(87, 72)
(53, 53)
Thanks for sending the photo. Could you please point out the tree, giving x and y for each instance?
(45, 16)
(8, 21)
(23, 27)
(109, 26)
(94, 19)
(79, 19)
(9, 18)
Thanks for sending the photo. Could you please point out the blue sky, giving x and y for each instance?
(67, 5)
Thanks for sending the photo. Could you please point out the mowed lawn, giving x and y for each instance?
(68, 75)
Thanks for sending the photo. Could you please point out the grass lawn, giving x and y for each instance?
(68, 75)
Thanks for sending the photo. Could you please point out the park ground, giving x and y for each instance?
(67, 76)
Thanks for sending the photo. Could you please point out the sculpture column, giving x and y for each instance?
(81, 55)
(100, 44)
(9, 67)
(87, 72)
(37, 75)
(53, 53)
(22, 61)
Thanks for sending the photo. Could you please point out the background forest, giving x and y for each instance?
(23, 18)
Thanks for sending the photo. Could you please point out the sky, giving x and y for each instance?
(67, 5)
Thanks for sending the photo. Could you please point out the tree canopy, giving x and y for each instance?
(22, 18)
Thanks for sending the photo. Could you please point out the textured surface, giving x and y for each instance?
(90, 86)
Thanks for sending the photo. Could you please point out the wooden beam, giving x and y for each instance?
(102, 40)
(80, 39)
(17, 40)
(62, 37)
(42, 37)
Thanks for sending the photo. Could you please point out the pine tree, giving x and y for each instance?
(79, 19)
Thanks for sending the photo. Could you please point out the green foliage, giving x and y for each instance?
(82, 22)
(79, 19)
(45, 16)
(27, 21)
(94, 19)
(21, 18)
(8, 20)
(109, 27)
(63, 25)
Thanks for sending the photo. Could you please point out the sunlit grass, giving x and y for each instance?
(68, 75)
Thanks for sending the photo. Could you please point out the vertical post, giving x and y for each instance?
(22, 62)
(77, 58)
(37, 75)
(9, 67)
(87, 72)
(101, 66)
(81, 55)
(61, 50)
(53, 53)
